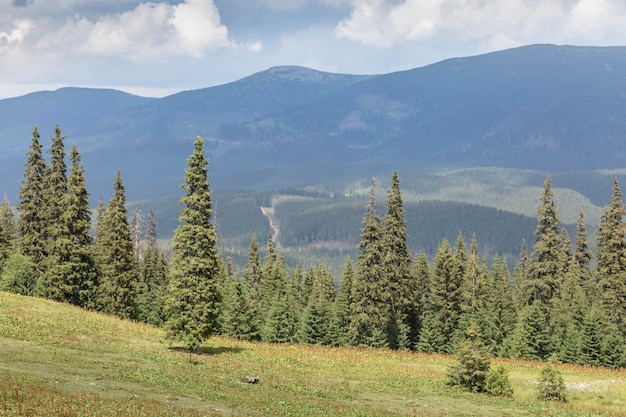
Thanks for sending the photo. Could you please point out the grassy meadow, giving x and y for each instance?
(58, 360)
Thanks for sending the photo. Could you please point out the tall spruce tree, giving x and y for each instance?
(369, 322)
(544, 272)
(397, 269)
(193, 298)
(56, 188)
(71, 273)
(115, 257)
(611, 269)
(31, 223)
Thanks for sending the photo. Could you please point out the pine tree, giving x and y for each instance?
(397, 270)
(31, 223)
(71, 274)
(193, 298)
(115, 257)
(582, 253)
(590, 351)
(611, 268)
(369, 321)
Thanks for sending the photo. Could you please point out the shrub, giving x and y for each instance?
(497, 382)
(471, 370)
(551, 385)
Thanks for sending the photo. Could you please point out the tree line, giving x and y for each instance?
(560, 301)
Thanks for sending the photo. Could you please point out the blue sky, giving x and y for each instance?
(160, 47)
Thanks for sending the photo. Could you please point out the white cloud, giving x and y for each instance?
(149, 31)
(386, 23)
(15, 36)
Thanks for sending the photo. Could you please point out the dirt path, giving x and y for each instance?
(274, 223)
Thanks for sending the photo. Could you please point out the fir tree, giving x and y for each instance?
(193, 298)
(115, 257)
(31, 223)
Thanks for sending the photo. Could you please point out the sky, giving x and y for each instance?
(161, 47)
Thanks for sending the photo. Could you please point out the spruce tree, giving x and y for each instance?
(8, 232)
(340, 324)
(71, 274)
(31, 223)
(501, 309)
(315, 320)
(56, 188)
(544, 272)
(153, 278)
(193, 298)
(115, 258)
(280, 323)
(369, 321)
(397, 270)
(422, 277)
(611, 268)
(238, 317)
(446, 294)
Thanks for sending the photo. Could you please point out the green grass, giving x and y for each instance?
(57, 360)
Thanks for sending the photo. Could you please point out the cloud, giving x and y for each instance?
(16, 35)
(150, 31)
(387, 23)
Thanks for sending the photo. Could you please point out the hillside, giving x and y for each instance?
(59, 360)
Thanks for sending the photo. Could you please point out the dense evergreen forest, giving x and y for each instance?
(561, 300)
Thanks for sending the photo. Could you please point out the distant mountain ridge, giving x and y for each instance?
(540, 107)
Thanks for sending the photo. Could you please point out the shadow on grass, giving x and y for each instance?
(209, 350)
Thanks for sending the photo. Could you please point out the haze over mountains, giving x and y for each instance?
(541, 107)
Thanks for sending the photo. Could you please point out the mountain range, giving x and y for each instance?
(545, 108)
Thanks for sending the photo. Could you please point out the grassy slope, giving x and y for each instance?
(59, 360)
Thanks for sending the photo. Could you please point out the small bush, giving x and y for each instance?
(497, 382)
(551, 385)
(473, 363)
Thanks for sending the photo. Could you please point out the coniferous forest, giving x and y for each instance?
(559, 301)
